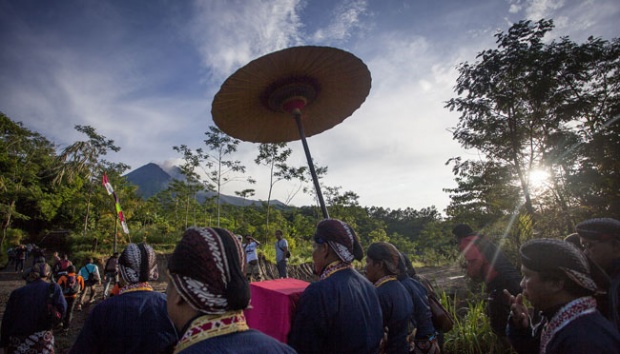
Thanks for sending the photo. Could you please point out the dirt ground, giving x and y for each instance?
(449, 279)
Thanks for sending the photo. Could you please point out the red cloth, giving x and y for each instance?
(273, 305)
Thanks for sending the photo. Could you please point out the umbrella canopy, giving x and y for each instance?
(255, 104)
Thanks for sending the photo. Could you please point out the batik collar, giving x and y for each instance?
(574, 309)
(210, 326)
(334, 267)
(384, 280)
(145, 286)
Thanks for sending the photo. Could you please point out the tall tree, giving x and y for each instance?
(525, 103)
(275, 156)
(26, 158)
(83, 161)
(220, 147)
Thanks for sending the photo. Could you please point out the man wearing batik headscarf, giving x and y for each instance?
(25, 327)
(423, 337)
(340, 313)
(556, 280)
(382, 260)
(601, 241)
(136, 320)
(207, 293)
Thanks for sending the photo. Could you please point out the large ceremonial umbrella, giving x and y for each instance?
(290, 94)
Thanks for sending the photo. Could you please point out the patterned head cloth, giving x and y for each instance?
(206, 269)
(548, 255)
(38, 271)
(601, 229)
(138, 264)
(388, 254)
(341, 238)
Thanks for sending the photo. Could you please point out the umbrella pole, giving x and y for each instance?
(315, 180)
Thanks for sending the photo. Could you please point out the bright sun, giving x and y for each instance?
(539, 179)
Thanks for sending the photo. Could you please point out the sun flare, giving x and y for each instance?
(538, 179)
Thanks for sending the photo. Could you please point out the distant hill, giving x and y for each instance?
(152, 179)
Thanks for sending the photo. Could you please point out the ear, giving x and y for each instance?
(324, 250)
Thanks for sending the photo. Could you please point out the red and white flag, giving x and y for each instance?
(107, 185)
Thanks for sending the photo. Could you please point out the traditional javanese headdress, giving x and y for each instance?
(548, 255)
(206, 269)
(599, 229)
(388, 254)
(38, 271)
(138, 264)
(341, 238)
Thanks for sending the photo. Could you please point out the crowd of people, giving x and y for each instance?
(555, 303)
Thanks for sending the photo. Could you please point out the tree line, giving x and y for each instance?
(531, 106)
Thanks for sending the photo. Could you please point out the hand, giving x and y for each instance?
(518, 311)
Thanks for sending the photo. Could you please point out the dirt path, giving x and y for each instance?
(449, 279)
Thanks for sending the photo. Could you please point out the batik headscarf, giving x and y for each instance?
(137, 263)
(549, 255)
(206, 269)
(388, 254)
(38, 271)
(341, 238)
(599, 229)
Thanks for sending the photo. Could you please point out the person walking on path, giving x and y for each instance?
(20, 258)
(72, 286)
(61, 266)
(25, 327)
(281, 254)
(251, 254)
(111, 273)
(92, 278)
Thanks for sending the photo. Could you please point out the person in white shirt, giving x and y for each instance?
(252, 270)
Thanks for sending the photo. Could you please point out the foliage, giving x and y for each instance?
(533, 105)
(472, 333)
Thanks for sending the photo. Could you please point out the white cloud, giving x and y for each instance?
(229, 34)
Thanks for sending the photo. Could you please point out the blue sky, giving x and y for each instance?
(144, 74)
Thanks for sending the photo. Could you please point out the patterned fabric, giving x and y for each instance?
(341, 238)
(206, 269)
(388, 254)
(40, 342)
(568, 313)
(384, 280)
(333, 268)
(138, 263)
(599, 229)
(542, 255)
(135, 287)
(38, 271)
(207, 326)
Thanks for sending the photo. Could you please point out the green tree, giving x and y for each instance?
(83, 163)
(221, 170)
(529, 106)
(188, 188)
(26, 159)
(274, 156)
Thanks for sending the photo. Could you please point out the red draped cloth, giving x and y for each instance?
(273, 306)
